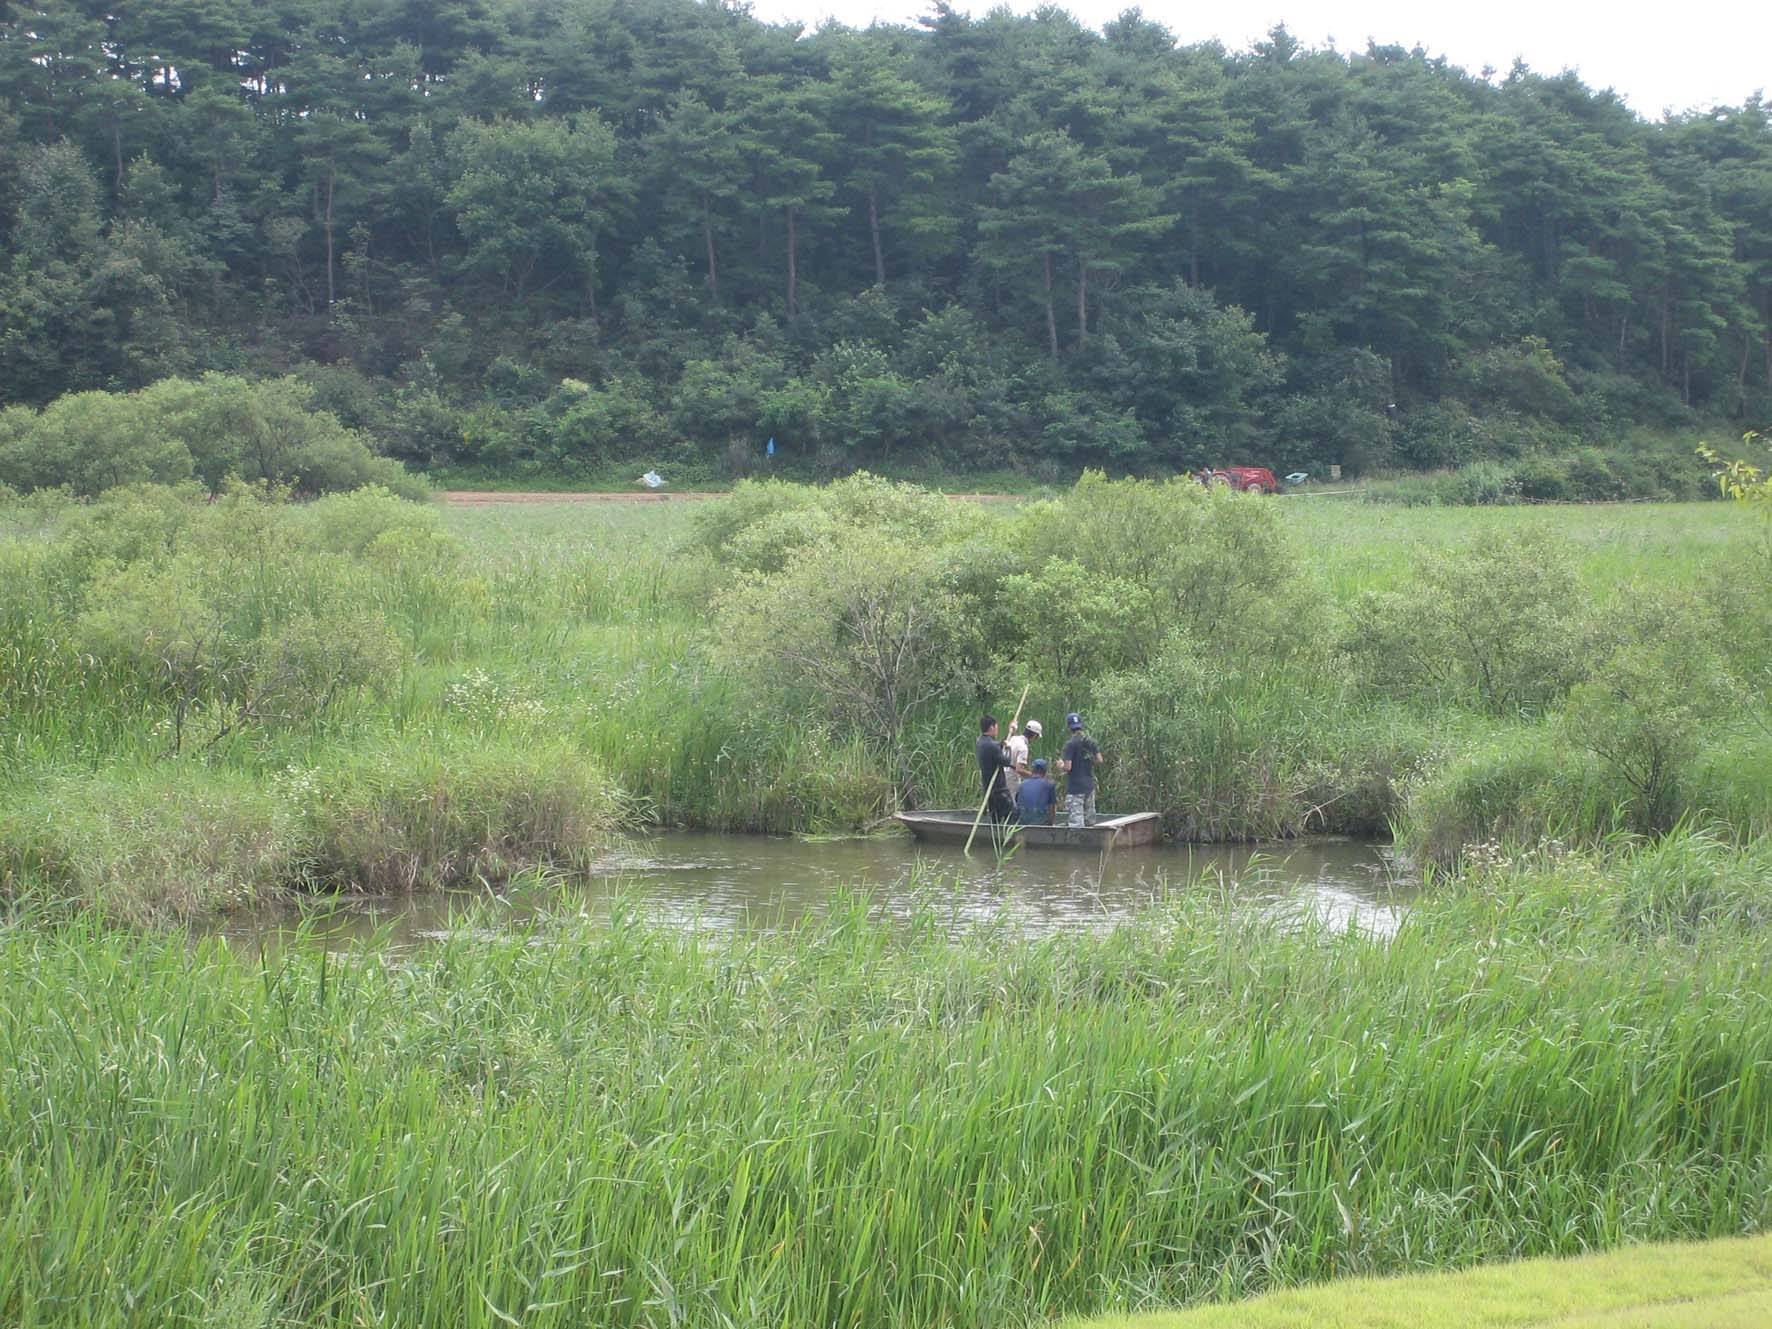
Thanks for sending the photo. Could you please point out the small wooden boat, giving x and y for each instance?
(1120, 830)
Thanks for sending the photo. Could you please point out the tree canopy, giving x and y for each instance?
(548, 234)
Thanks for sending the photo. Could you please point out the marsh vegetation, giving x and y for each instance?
(214, 697)
(858, 1123)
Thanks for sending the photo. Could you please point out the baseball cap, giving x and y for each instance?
(1036, 728)
(1074, 720)
(1040, 764)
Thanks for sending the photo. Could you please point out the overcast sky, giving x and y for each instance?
(1662, 57)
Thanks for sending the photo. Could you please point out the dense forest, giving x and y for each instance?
(541, 237)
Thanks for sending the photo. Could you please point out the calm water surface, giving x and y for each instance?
(709, 881)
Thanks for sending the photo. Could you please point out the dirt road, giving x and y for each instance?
(484, 497)
(477, 498)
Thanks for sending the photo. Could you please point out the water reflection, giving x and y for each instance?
(721, 882)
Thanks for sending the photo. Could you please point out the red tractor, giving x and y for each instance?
(1250, 479)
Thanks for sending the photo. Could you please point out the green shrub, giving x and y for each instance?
(1543, 479)
(91, 442)
(1642, 710)
(1074, 625)
(149, 847)
(350, 523)
(1520, 789)
(1526, 377)
(442, 812)
(217, 428)
(1505, 623)
(1582, 476)
(218, 616)
(1481, 483)
(763, 525)
(1592, 478)
(585, 424)
(1211, 747)
(866, 637)
(1217, 568)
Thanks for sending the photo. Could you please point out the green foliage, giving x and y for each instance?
(1506, 623)
(83, 305)
(1692, 884)
(1515, 790)
(351, 523)
(217, 428)
(870, 634)
(1526, 377)
(530, 197)
(148, 847)
(1213, 567)
(402, 816)
(1074, 625)
(156, 629)
(1209, 746)
(1648, 698)
(765, 526)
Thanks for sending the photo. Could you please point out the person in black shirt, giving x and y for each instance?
(993, 759)
(1081, 757)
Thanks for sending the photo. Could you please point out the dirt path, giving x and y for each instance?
(484, 497)
(476, 498)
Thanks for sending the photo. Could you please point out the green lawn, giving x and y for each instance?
(1709, 1285)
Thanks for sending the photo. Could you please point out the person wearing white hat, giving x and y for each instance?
(1017, 747)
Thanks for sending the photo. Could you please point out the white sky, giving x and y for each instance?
(1657, 57)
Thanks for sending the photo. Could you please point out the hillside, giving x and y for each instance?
(539, 239)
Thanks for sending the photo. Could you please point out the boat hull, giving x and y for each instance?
(952, 825)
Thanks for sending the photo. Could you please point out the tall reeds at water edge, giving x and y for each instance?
(867, 1123)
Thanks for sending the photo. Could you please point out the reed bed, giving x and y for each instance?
(855, 1122)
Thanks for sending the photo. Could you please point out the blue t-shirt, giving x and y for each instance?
(1035, 800)
(1081, 753)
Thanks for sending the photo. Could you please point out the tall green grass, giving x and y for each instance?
(862, 1123)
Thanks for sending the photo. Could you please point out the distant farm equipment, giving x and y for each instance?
(1244, 479)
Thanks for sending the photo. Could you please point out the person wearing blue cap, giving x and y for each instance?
(1081, 757)
(1036, 799)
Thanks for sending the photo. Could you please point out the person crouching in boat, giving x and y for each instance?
(994, 764)
(1037, 798)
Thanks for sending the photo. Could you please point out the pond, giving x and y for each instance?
(700, 880)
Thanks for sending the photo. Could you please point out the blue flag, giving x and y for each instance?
(770, 450)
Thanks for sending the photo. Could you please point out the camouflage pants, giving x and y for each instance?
(1079, 809)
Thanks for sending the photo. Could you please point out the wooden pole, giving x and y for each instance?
(984, 802)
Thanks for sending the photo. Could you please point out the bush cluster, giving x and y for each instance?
(211, 430)
(203, 686)
(1635, 467)
(1186, 624)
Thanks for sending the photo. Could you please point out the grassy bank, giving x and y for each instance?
(312, 691)
(1686, 1285)
(869, 1123)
